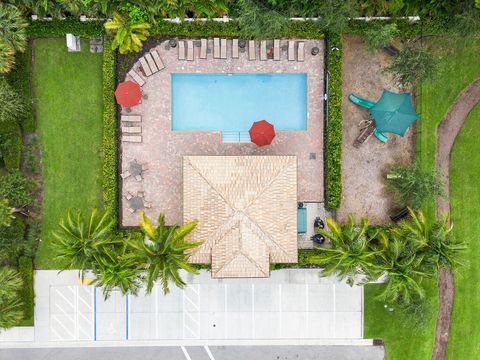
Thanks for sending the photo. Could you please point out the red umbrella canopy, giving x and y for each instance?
(128, 94)
(262, 133)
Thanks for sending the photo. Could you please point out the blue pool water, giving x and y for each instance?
(232, 102)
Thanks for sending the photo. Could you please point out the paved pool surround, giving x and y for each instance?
(163, 149)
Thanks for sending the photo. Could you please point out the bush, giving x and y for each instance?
(10, 305)
(11, 146)
(12, 104)
(68, 26)
(17, 189)
(333, 135)
(12, 241)
(257, 22)
(25, 269)
(379, 36)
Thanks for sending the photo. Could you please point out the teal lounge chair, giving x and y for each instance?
(361, 101)
(380, 136)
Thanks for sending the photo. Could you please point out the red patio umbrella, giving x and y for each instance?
(262, 133)
(128, 94)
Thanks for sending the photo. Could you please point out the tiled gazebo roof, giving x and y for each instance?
(247, 212)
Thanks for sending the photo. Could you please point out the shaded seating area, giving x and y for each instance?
(135, 170)
(137, 202)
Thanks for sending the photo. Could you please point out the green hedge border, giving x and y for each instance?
(25, 269)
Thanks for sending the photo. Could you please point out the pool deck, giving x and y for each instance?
(163, 149)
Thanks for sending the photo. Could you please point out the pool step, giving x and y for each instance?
(235, 137)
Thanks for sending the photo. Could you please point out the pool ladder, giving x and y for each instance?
(235, 137)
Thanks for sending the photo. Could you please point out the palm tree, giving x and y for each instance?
(13, 27)
(164, 254)
(7, 57)
(128, 35)
(11, 312)
(80, 242)
(351, 255)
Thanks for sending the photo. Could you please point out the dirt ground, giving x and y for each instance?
(364, 168)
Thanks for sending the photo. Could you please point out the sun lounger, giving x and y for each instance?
(235, 48)
(190, 50)
(203, 48)
(131, 129)
(223, 49)
(151, 63)
(132, 138)
(291, 50)
(157, 59)
(251, 50)
(216, 48)
(276, 49)
(145, 67)
(131, 118)
(301, 51)
(263, 50)
(136, 77)
(125, 174)
(181, 50)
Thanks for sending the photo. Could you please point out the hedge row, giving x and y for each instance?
(12, 156)
(333, 133)
(25, 269)
(69, 25)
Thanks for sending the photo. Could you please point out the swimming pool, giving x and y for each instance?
(232, 102)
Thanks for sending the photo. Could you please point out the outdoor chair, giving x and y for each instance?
(223, 49)
(151, 63)
(301, 51)
(276, 49)
(125, 174)
(263, 50)
(131, 118)
(128, 196)
(144, 167)
(138, 177)
(203, 48)
(132, 138)
(140, 193)
(131, 210)
(145, 67)
(235, 48)
(131, 129)
(251, 50)
(291, 50)
(181, 50)
(147, 205)
(158, 60)
(216, 48)
(190, 50)
(136, 77)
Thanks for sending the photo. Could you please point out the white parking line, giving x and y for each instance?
(209, 353)
(185, 352)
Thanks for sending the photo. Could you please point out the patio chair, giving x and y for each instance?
(301, 51)
(251, 50)
(263, 50)
(181, 50)
(131, 118)
(151, 63)
(203, 48)
(136, 77)
(125, 174)
(131, 210)
(223, 49)
(235, 49)
(145, 67)
(144, 167)
(158, 60)
(216, 48)
(138, 177)
(190, 50)
(147, 205)
(128, 196)
(380, 136)
(276, 49)
(140, 193)
(291, 50)
(132, 138)
(131, 129)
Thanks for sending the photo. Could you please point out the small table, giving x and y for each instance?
(136, 203)
(135, 169)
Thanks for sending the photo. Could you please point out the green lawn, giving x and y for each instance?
(464, 342)
(68, 90)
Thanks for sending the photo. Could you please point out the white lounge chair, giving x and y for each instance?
(145, 67)
(136, 77)
(235, 48)
(216, 48)
(291, 50)
(151, 63)
(132, 118)
(131, 129)
(132, 138)
(223, 49)
(190, 50)
(158, 60)
(251, 50)
(276, 49)
(263, 50)
(301, 51)
(203, 48)
(181, 50)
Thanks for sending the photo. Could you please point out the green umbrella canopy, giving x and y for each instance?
(394, 112)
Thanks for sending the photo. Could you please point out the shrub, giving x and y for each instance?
(12, 104)
(17, 189)
(257, 22)
(378, 36)
(25, 269)
(68, 26)
(12, 241)
(333, 135)
(11, 146)
(10, 305)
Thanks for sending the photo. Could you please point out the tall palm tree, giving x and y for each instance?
(13, 27)
(11, 312)
(163, 254)
(80, 241)
(128, 35)
(351, 255)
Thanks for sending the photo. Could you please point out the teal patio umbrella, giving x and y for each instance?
(394, 113)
